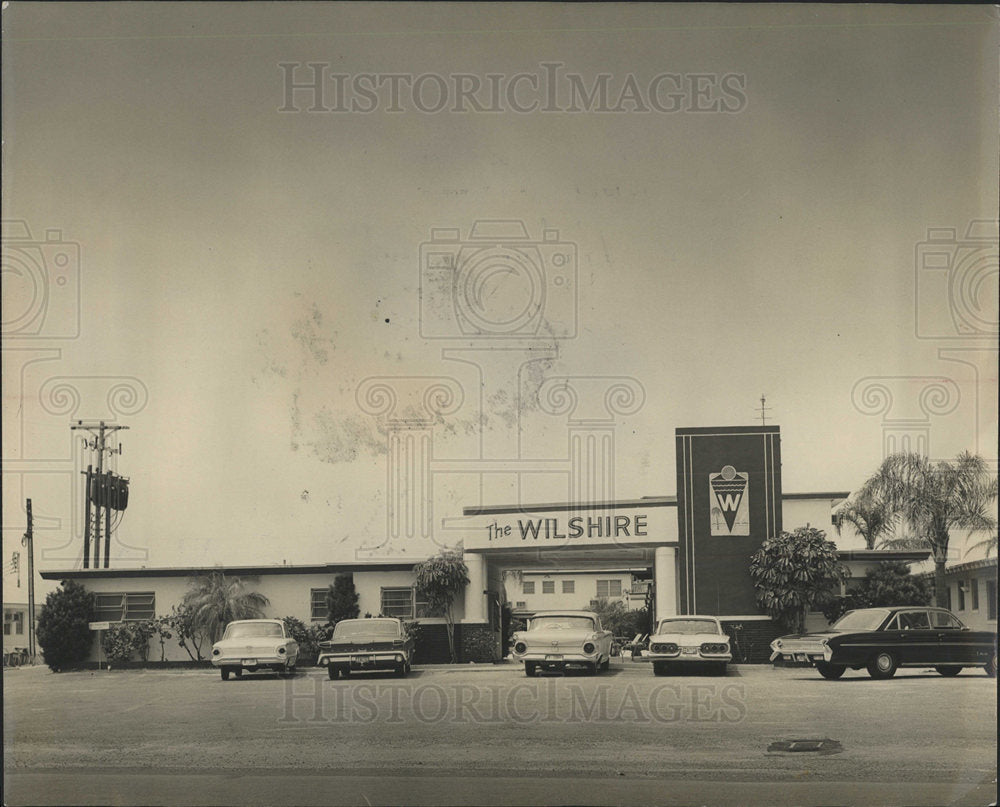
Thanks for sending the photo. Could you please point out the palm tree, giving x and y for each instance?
(216, 600)
(868, 513)
(935, 498)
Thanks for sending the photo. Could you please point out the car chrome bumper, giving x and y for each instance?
(362, 661)
(260, 661)
(687, 657)
(556, 658)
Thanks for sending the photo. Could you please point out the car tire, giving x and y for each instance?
(720, 668)
(400, 671)
(882, 665)
(225, 673)
(529, 669)
(831, 672)
(592, 668)
(331, 672)
(659, 668)
(991, 666)
(606, 664)
(948, 672)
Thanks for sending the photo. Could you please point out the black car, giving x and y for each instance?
(884, 639)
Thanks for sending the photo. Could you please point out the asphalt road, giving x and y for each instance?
(488, 735)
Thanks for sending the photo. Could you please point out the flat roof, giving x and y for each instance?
(883, 554)
(245, 571)
(645, 501)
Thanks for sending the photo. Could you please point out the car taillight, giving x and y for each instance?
(520, 647)
(216, 651)
(713, 647)
(281, 651)
(589, 648)
(668, 647)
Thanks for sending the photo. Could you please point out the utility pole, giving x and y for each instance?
(26, 541)
(99, 432)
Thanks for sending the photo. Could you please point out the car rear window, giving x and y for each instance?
(687, 626)
(365, 627)
(253, 630)
(562, 623)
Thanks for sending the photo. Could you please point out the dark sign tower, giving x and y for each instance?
(728, 502)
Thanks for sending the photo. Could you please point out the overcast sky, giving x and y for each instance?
(743, 212)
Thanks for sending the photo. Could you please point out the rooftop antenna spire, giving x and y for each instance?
(763, 410)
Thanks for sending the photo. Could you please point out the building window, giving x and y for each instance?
(568, 586)
(974, 591)
(609, 588)
(125, 607)
(403, 603)
(991, 599)
(520, 604)
(13, 623)
(528, 587)
(317, 604)
(961, 596)
(397, 602)
(548, 587)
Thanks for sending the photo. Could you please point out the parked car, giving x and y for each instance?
(365, 645)
(255, 644)
(561, 640)
(688, 640)
(884, 639)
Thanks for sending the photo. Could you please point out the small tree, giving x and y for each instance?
(180, 622)
(795, 571)
(889, 583)
(342, 600)
(616, 618)
(439, 580)
(216, 600)
(868, 513)
(62, 629)
(935, 498)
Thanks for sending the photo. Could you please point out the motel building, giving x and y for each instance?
(682, 554)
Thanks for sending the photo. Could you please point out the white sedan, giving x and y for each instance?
(560, 640)
(683, 640)
(255, 644)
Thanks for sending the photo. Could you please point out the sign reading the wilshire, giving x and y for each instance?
(574, 527)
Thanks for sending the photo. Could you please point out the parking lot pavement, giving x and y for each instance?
(625, 735)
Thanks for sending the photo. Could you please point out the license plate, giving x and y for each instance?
(249, 662)
(364, 659)
(553, 658)
(800, 657)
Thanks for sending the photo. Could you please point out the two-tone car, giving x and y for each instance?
(882, 640)
(684, 641)
(557, 641)
(255, 644)
(367, 645)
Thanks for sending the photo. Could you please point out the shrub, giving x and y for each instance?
(123, 640)
(795, 571)
(342, 600)
(62, 629)
(889, 583)
(307, 636)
